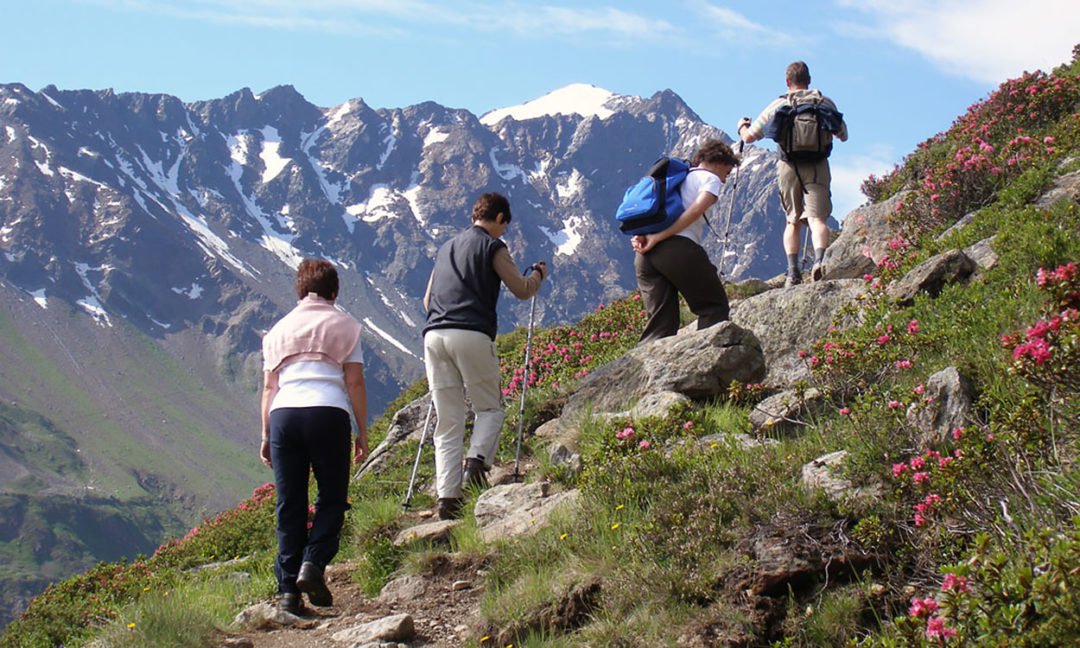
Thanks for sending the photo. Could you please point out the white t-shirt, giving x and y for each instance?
(698, 181)
(314, 383)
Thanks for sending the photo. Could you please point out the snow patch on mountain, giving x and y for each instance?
(576, 99)
(273, 163)
(39, 298)
(567, 239)
(386, 336)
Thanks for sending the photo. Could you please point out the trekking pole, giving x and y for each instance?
(805, 248)
(419, 449)
(731, 208)
(524, 384)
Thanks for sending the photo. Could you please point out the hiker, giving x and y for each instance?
(459, 345)
(313, 376)
(804, 185)
(673, 262)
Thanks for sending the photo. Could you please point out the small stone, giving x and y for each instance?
(460, 585)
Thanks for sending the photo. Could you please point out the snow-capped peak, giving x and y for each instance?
(575, 99)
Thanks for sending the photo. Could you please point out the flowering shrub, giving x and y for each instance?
(563, 355)
(997, 139)
(240, 531)
(1048, 354)
(1025, 596)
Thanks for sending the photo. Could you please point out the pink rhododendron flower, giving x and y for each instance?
(919, 389)
(625, 433)
(899, 469)
(895, 404)
(918, 463)
(883, 339)
(644, 445)
(936, 629)
(845, 411)
(957, 433)
(903, 364)
(920, 477)
(689, 425)
(954, 582)
(913, 327)
(922, 607)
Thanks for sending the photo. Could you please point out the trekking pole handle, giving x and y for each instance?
(540, 267)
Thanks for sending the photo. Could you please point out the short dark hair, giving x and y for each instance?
(715, 151)
(316, 276)
(798, 73)
(489, 206)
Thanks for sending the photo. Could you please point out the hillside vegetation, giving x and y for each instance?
(973, 539)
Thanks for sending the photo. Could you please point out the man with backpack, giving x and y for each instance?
(803, 122)
(459, 345)
(672, 261)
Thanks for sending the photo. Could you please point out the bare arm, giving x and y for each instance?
(270, 389)
(357, 389)
(523, 287)
(645, 242)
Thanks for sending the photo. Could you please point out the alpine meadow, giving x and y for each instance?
(885, 458)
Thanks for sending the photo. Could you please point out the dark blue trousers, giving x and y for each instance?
(305, 440)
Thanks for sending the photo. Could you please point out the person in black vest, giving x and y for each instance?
(459, 345)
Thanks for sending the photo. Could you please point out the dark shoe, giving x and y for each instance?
(291, 603)
(817, 273)
(450, 508)
(792, 280)
(475, 473)
(310, 581)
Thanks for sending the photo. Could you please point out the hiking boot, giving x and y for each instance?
(792, 280)
(450, 508)
(291, 603)
(475, 473)
(817, 273)
(310, 581)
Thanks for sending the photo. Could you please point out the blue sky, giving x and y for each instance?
(899, 71)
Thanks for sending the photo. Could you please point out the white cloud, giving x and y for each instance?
(984, 40)
(354, 16)
(731, 25)
(848, 174)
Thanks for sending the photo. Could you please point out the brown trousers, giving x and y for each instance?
(678, 265)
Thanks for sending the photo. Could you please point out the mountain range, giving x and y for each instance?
(147, 243)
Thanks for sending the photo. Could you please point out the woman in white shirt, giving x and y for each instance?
(673, 261)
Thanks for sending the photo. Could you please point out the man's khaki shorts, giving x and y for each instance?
(817, 201)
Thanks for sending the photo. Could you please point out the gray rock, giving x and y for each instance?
(657, 404)
(786, 411)
(743, 441)
(1066, 187)
(408, 422)
(263, 616)
(237, 642)
(561, 456)
(947, 404)
(404, 589)
(863, 241)
(982, 253)
(399, 627)
(931, 276)
(700, 364)
(511, 510)
(549, 429)
(789, 320)
(957, 226)
(821, 473)
(433, 532)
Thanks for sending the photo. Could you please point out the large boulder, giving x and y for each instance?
(789, 320)
(700, 365)
(931, 276)
(863, 241)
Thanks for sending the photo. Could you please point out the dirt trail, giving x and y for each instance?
(442, 615)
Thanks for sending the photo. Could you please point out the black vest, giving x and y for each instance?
(464, 285)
